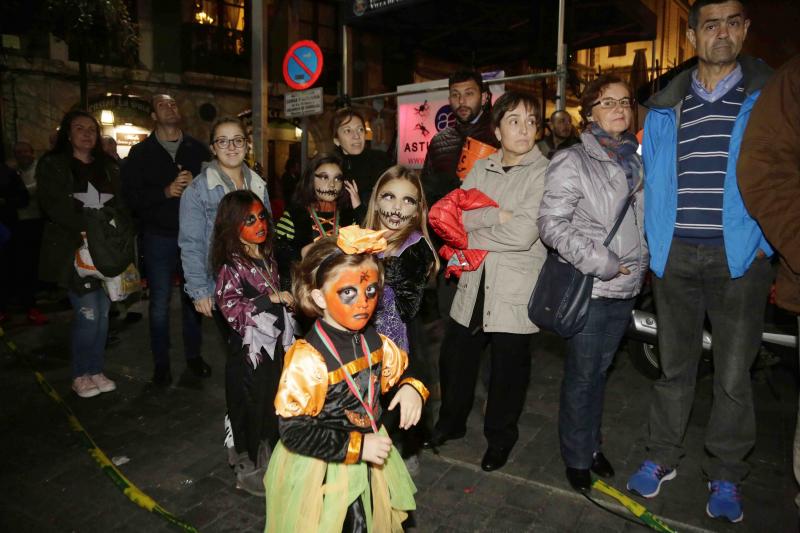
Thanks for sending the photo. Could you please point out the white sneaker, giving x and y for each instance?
(102, 383)
(85, 387)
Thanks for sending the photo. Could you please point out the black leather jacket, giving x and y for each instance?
(439, 171)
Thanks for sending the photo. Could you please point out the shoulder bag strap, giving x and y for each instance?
(619, 219)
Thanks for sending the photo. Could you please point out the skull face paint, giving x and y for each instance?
(351, 296)
(398, 204)
(254, 228)
(328, 182)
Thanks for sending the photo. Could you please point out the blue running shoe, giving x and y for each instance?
(725, 501)
(648, 479)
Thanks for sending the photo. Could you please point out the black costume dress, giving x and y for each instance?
(322, 427)
(297, 228)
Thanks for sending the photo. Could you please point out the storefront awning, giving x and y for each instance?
(481, 33)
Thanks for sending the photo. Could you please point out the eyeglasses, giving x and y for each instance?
(223, 142)
(251, 218)
(611, 103)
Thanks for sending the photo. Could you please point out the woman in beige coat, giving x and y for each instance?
(490, 306)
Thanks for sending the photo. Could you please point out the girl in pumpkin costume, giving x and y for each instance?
(334, 468)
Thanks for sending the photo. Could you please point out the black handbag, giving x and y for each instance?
(560, 299)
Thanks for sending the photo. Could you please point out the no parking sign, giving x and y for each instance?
(302, 65)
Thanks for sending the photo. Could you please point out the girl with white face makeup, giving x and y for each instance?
(398, 207)
(323, 203)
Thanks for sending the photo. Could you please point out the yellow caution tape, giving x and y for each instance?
(130, 490)
(638, 510)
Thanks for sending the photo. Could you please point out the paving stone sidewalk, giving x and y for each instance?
(173, 441)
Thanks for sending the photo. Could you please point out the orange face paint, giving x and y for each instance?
(351, 297)
(254, 227)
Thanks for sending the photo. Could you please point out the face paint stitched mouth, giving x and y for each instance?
(327, 193)
(395, 218)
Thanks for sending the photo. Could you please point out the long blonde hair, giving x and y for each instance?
(420, 223)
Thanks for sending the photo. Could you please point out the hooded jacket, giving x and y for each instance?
(741, 234)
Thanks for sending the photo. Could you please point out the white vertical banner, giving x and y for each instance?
(421, 115)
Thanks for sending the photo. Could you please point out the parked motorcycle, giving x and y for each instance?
(780, 334)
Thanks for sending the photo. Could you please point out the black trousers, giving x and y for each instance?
(250, 396)
(459, 364)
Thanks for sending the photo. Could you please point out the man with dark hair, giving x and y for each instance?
(708, 255)
(470, 100)
(562, 134)
(154, 177)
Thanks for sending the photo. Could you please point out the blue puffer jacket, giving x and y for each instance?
(741, 233)
(199, 204)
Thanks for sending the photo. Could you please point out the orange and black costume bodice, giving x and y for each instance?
(319, 415)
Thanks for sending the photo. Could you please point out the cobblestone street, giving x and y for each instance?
(173, 440)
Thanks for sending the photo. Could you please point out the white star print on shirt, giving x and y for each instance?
(92, 198)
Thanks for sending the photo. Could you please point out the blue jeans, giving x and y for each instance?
(162, 263)
(89, 331)
(697, 282)
(589, 354)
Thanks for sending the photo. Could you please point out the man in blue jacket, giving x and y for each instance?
(154, 176)
(708, 255)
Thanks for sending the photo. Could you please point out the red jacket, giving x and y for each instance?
(445, 219)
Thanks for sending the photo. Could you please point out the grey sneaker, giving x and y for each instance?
(249, 478)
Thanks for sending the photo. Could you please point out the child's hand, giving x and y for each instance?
(376, 448)
(352, 190)
(410, 406)
(283, 297)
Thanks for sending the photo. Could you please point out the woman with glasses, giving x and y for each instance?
(588, 186)
(490, 306)
(226, 172)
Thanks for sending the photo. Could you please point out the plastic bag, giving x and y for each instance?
(84, 264)
(121, 287)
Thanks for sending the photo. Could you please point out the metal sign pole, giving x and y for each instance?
(561, 59)
(260, 98)
(304, 146)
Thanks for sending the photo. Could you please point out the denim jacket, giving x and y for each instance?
(198, 210)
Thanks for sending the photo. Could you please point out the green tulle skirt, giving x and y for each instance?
(308, 495)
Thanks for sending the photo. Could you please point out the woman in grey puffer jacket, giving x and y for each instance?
(587, 186)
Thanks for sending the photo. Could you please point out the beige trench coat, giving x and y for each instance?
(516, 254)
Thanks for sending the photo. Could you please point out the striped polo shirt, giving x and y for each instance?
(703, 140)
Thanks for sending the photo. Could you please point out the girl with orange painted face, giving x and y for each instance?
(260, 324)
(329, 400)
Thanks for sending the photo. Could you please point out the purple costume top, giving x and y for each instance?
(405, 277)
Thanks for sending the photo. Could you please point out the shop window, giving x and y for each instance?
(217, 40)
(618, 50)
